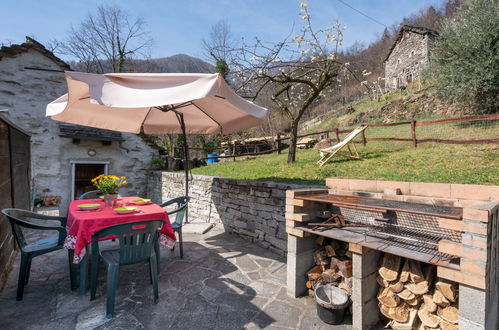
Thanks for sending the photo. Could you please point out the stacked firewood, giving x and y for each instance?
(411, 297)
(333, 265)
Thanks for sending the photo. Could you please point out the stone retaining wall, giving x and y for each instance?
(252, 209)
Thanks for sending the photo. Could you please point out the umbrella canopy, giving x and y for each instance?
(158, 103)
(127, 102)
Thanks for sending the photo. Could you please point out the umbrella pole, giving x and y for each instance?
(180, 117)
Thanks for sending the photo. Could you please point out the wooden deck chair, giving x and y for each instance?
(329, 152)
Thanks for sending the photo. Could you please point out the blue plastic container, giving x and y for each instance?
(213, 160)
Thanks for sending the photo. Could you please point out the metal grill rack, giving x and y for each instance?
(410, 226)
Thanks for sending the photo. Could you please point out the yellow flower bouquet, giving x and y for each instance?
(109, 184)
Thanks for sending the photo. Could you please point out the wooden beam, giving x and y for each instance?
(473, 280)
(457, 249)
(461, 226)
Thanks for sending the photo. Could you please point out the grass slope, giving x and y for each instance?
(430, 163)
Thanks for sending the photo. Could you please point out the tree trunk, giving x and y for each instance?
(292, 142)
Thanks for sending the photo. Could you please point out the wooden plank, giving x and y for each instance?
(475, 212)
(298, 202)
(477, 228)
(473, 266)
(301, 217)
(355, 248)
(387, 139)
(389, 124)
(358, 237)
(457, 249)
(473, 280)
(458, 119)
(484, 141)
(297, 232)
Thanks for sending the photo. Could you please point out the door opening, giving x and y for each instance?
(83, 173)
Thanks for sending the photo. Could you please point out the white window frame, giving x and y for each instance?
(73, 170)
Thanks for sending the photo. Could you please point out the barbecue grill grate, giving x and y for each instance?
(411, 231)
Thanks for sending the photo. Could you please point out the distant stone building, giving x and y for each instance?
(63, 157)
(409, 54)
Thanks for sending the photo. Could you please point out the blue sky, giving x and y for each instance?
(179, 26)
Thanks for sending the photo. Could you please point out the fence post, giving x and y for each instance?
(278, 143)
(234, 150)
(337, 135)
(364, 141)
(413, 131)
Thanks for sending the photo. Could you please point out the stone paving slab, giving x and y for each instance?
(223, 282)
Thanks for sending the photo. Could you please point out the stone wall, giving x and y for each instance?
(25, 94)
(406, 60)
(252, 209)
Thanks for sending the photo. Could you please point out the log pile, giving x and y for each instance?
(412, 297)
(333, 264)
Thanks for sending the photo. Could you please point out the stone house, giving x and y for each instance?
(409, 54)
(63, 157)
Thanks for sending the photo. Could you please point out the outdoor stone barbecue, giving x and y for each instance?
(443, 235)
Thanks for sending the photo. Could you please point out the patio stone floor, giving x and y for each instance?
(223, 282)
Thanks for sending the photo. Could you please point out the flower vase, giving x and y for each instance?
(110, 200)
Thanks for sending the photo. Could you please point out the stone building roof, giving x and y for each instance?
(88, 133)
(415, 29)
(14, 50)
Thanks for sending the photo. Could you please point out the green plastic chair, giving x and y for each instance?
(93, 194)
(179, 219)
(21, 218)
(136, 244)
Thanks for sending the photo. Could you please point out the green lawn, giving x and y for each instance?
(477, 164)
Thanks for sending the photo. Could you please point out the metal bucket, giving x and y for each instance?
(331, 303)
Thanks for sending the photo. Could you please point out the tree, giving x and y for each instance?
(219, 46)
(296, 72)
(465, 58)
(103, 41)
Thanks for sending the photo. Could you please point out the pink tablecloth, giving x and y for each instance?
(81, 225)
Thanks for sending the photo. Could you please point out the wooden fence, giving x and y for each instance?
(414, 124)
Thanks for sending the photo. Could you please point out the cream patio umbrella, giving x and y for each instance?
(157, 103)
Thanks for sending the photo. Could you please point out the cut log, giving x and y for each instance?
(406, 295)
(382, 282)
(330, 276)
(428, 319)
(449, 314)
(320, 258)
(409, 324)
(448, 290)
(444, 325)
(439, 299)
(415, 271)
(418, 288)
(320, 240)
(384, 310)
(429, 273)
(397, 286)
(345, 287)
(309, 285)
(311, 292)
(330, 251)
(388, 298)
(399, 313)
(314, 273)
(390, 267)
(345, 268)
(413, 302)
(404, 275)
(428, 303)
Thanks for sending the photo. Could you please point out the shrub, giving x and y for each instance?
(465, 59)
